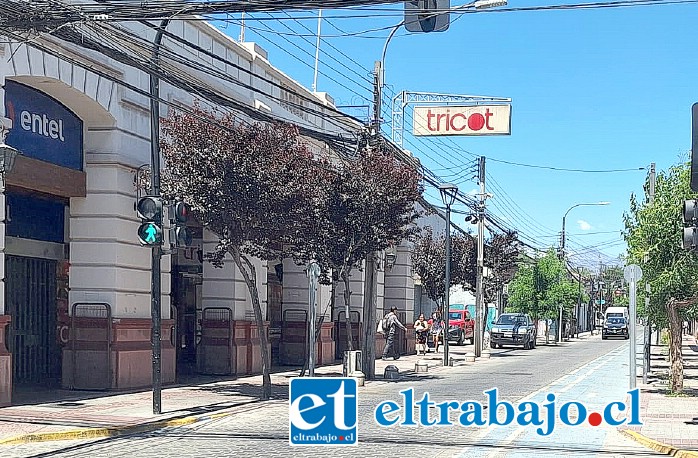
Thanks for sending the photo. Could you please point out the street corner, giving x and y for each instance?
(110, 432)
(657, 446)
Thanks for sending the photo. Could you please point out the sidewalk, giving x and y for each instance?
(670, 423)
(82, 415)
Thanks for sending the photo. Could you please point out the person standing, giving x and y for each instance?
(436, 326)
(421, 328)
(392, 323)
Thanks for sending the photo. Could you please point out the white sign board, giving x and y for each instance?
(633, 272)
(469, 120)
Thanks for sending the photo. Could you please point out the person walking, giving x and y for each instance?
(391, 325)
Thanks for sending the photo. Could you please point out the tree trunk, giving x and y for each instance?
(547, 331)
(369, 335)
(347, 317)
(250, 276)
(675, 356)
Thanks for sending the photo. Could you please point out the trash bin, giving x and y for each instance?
(391, 373)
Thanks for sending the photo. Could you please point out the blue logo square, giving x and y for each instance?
(323, 411)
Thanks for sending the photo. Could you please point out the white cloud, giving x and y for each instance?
(583, 225)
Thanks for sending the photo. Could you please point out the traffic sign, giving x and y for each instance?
(632, 273)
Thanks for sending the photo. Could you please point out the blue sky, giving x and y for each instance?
(591, 89)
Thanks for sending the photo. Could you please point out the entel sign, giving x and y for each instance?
(472, 120)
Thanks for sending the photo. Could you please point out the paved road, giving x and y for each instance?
(591, 371)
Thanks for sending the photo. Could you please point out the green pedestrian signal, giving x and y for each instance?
(150, 234)
(149, 209)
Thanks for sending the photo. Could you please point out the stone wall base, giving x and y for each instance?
(230, 348)
(5, 364)
(118, 358)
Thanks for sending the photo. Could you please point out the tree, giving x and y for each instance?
(252, 185)
(367, 205)
(429, 261)
(502, 254)
(541, 287)
(653, 231)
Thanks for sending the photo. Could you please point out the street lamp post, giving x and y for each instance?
(562, 255)
(379, 72)
(448, 195)
(8, 155)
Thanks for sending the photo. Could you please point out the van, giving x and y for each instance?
(616, 323)
(617, 312)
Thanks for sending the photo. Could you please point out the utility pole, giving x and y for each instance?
(317, 49)
(579, 301)
(479, 299)
(647, 337)
(242, 27)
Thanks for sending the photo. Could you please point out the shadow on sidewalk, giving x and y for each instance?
(250, 390)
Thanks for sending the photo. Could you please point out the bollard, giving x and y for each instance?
(421, 366)
(470, 357)
(360, 377)
(391, 373)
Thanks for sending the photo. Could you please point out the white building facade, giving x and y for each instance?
(75, 284)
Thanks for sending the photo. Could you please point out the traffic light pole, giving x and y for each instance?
(156, 287)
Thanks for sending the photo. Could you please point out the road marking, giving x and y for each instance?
(598, 362)
(508, 440)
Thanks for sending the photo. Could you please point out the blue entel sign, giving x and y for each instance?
(42, 127)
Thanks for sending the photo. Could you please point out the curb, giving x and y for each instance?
(659, 446)
(100, 433)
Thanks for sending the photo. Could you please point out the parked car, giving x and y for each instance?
(460, 326)
(616, 326)
(513, 329)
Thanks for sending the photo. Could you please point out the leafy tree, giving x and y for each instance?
(429, 261)
(541, 287)
(653, 231)
(502, 254)
(252, 185)
(367, 205)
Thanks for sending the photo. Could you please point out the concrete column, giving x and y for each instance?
(5, 356)
(232, 348)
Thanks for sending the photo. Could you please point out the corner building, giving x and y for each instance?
(74, 281)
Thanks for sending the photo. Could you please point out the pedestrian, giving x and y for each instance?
(421, 328)
(685, 327)
(392, 323)
(436, 326)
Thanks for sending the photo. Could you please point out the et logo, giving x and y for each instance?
(323, 411)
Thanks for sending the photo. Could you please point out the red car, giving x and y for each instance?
(460, 326)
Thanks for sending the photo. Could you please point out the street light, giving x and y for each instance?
(8, 155)
(562, 256)
(379, 72)
(565, 216)
(448, 196)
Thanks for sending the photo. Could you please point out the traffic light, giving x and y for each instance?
(179, 215)
(149, 209)
(427, 15)
(690, 216)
